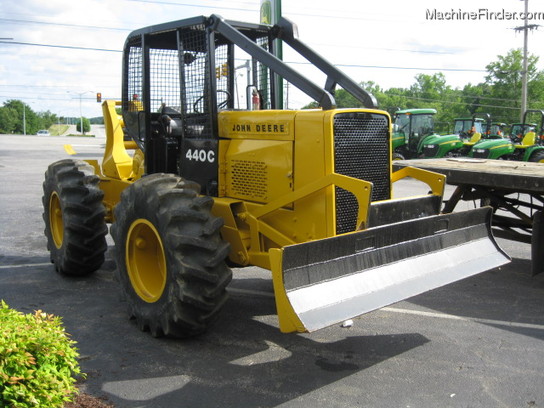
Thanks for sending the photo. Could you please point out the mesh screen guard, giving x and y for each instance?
(184, 77)
(362, 151)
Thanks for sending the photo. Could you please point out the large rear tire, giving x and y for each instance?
(170, 256)
(74, 217)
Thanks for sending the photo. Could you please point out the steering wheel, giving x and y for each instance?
(220, 105)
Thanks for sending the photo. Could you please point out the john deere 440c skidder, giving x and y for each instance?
(306, 194)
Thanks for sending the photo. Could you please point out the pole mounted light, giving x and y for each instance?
(80, 94)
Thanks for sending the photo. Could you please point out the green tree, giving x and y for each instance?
(47, 119)
(433, 91)
(86, 125)
(474, 98)
(19, 111)
(311, 105)
(394, 99)
(504, 76)
(345, 100)
(8, 120)
(430, 88)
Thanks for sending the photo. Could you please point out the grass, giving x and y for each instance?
(60, 130)
(57, 130)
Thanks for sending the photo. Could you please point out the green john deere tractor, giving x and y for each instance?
(495, 131)
(526, 142)
(473, 137)
(465, 132)
(411, 128)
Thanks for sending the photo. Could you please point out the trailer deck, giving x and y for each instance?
(514, 189)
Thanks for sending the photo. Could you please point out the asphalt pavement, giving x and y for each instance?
(475, 343)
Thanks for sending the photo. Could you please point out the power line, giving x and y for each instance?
(462, 95)
(49, 96)
(488, 98)
(90, 27)
(169, 3)
(384, 49)
(305, 13)
(289, 62)
(93, 27)
(413, 68)
(395, 67)
(453, 102)
(37, 98)
(59, 46)
(57, 86)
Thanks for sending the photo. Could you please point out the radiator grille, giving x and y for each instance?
(362, 151)
(430, 151)
(480, 153)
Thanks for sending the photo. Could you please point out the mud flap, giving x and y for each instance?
(324, 282)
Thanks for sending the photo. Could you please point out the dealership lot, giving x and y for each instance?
(474, 343)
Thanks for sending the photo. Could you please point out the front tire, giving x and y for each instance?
(537, 157)
(170, 256)
(74, 217)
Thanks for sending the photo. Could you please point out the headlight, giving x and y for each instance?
(480, 150)
(430, 146)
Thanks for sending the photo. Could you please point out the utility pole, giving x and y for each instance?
(525, 28)
(80, 115)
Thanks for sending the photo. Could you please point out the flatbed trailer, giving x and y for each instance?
(515, 191)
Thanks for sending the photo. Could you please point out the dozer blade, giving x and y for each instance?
(324, 282)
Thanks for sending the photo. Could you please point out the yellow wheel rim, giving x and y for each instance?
(56, 222)
(145, 260)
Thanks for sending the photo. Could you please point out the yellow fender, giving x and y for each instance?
(117, 163)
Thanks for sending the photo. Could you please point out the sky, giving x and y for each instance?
(56, 55)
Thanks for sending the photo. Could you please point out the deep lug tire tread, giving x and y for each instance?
(197, 275)
(84, 239)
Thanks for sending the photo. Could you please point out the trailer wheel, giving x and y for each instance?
(75, 226)
(170, 256)
(537, 156)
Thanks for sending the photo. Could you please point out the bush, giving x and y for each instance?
(38, 361)
(86, 125)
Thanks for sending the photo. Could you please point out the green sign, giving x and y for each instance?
(266, 12)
